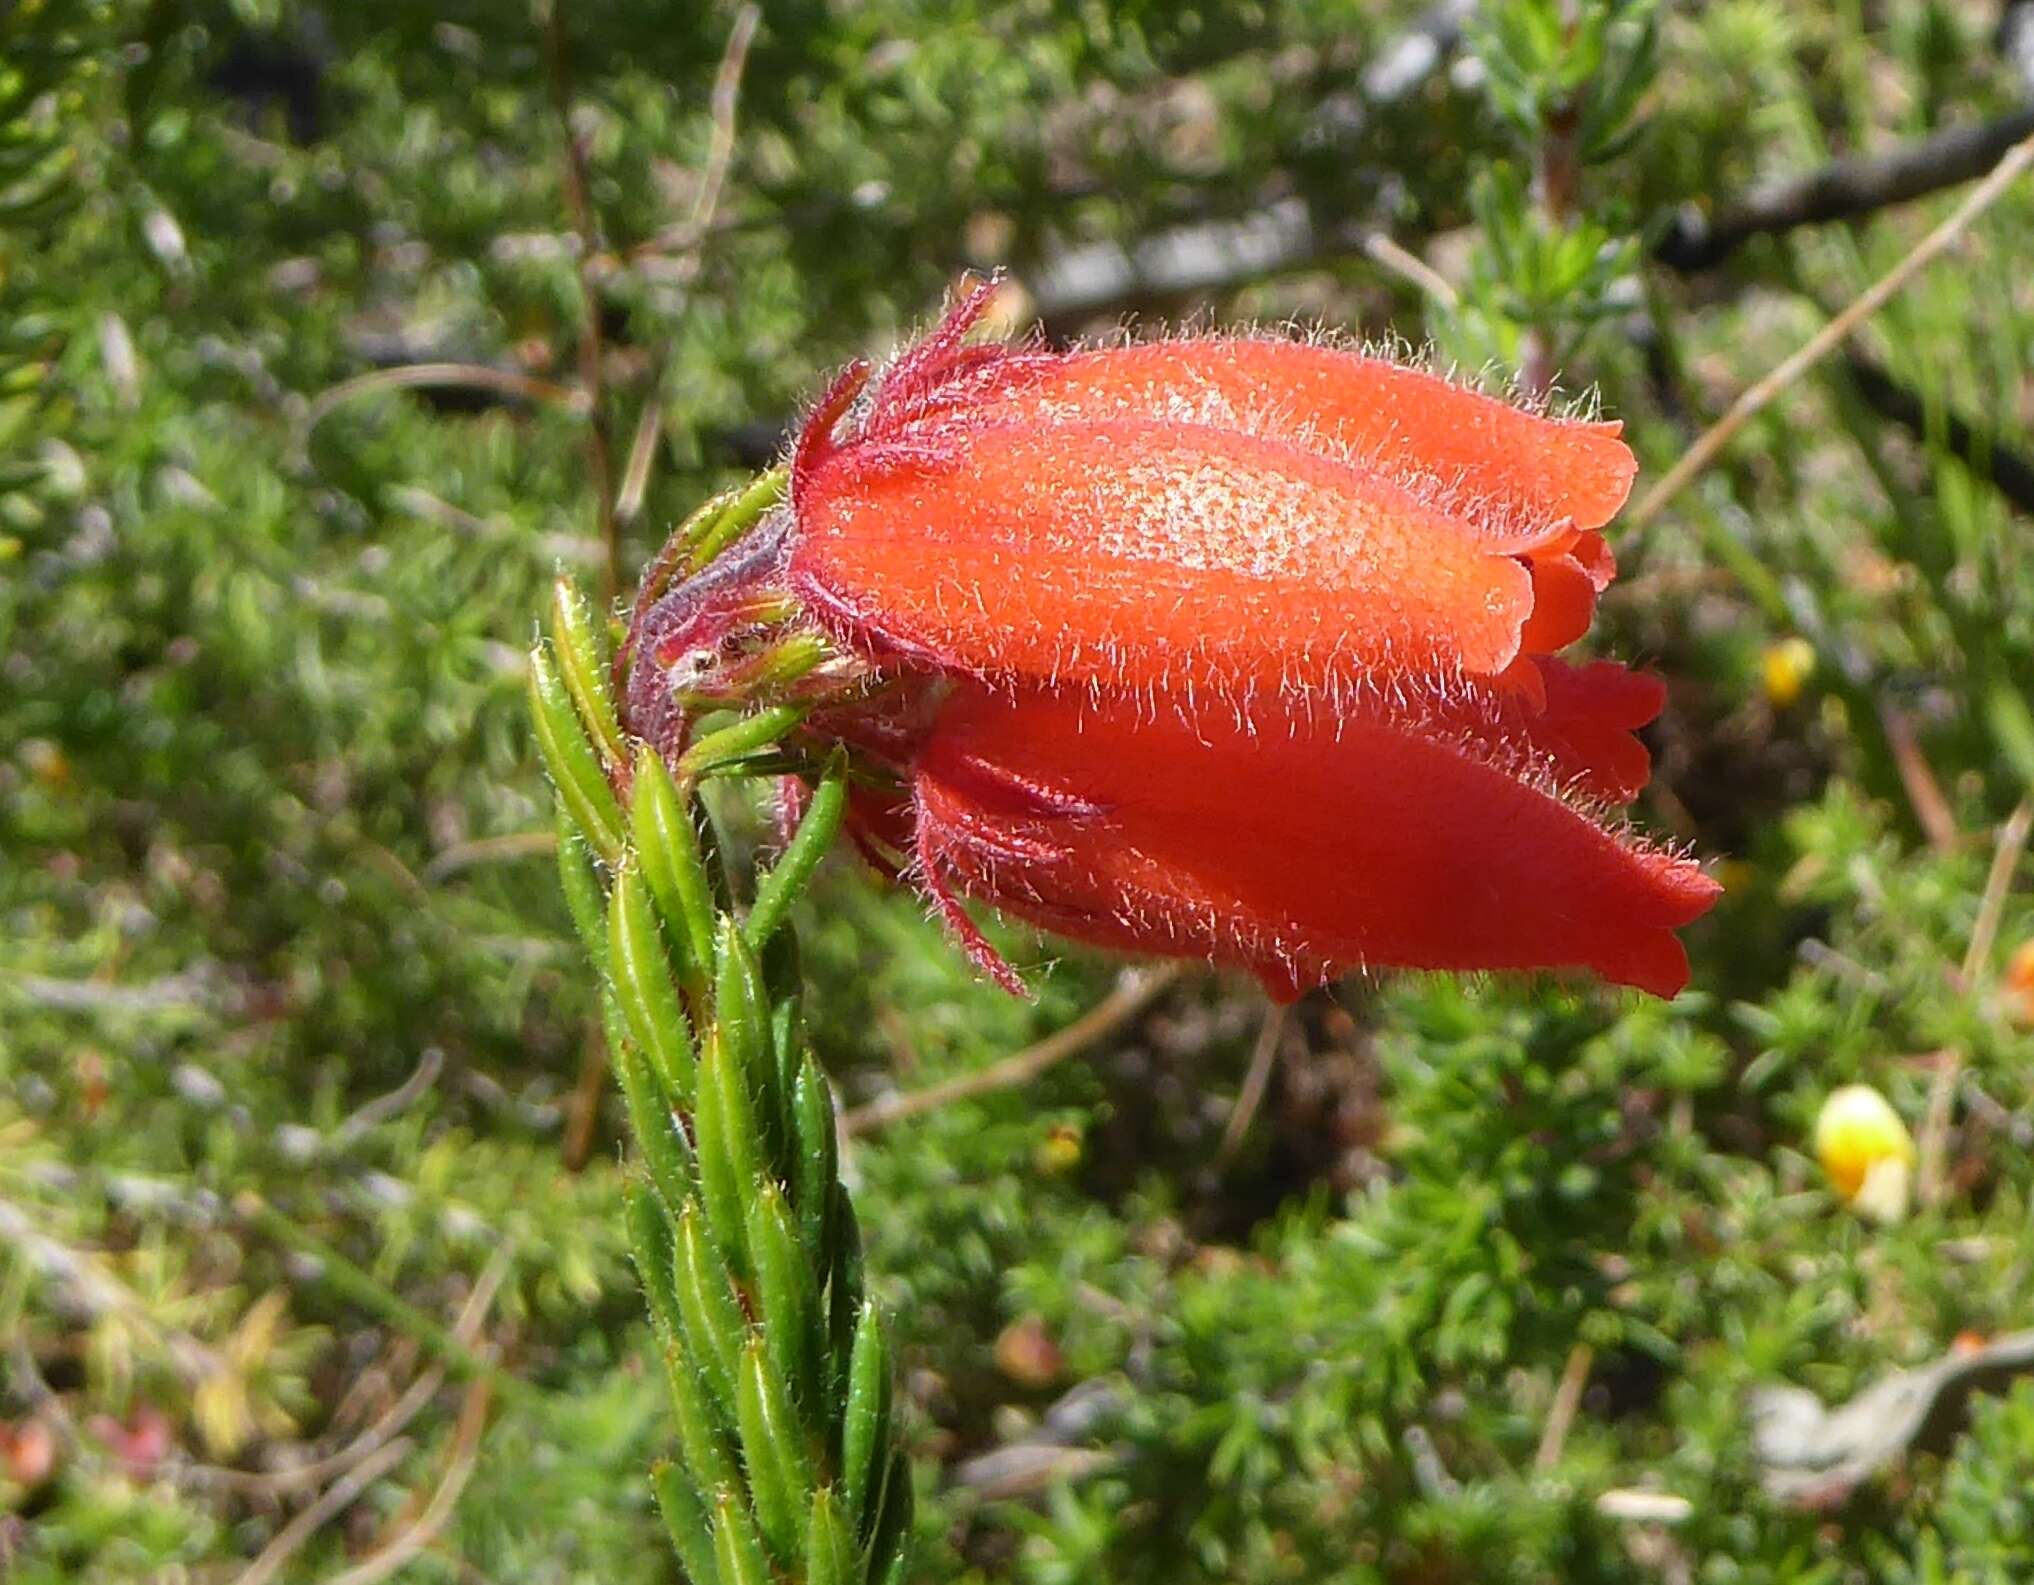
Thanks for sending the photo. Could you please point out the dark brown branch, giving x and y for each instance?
(1977, 448)
(1215, 256)
(1845, 189)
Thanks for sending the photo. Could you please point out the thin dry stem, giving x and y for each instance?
(592, 350)
(397, 1417)
(1932, 1149)
(1137, 989)
(438, 1512)
(488, 850)
(335, 1500)
(685, 237)
(1567, 1400)
(1263, 1058)
(411, 376)
(635, 482)
(1381, 250)
(722, 104)
(2006, 856)
(1924, 791)
(1698, 456)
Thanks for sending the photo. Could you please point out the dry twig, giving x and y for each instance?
(410, 376)
(1980, 450)
(1844, 189)
(1263, 1058)
(1917, 776)
(1380, 249)
(2012, 844)
(488, 850)
(335, 1500)
(438, 1511)
(1830, 336)
(592, 350)
(582, 1112)
(1137, 990)
(722, 104)
(1567, 1400)
(394, 1419)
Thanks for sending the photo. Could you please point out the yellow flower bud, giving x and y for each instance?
(1787, 666)
(1866, 1151)
(1060, 1151)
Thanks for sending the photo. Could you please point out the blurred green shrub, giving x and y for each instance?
(279, 921)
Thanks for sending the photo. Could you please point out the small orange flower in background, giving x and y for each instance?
(2019, 983)
(1238, 648)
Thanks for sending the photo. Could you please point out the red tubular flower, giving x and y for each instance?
(1240, 648)
(1299, 849)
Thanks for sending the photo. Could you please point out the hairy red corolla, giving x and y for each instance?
(1298, 848)
(1220, 518)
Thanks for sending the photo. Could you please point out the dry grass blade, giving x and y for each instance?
(635, 480)
(1917, 776)
(1932, 1181)
(1931, 1175)
(476, 376)
(335, 1500)
(1381, 250)
(726, 96)
(438, 1511)
(97, 1291)
(1263, 1058)
(1987, 192)
(489, 850)
(685, 237)
(1136, 991)
(395, 1419)
(2012, 844)
(578, 187)
(1567, 1400)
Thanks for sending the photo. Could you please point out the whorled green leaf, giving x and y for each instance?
(686, 1522)
(780, 887)
(742, 1016)
(666, 1153)
(706, 536)
(712, 1320)
(737, 1548)
(787, 1297)
(649, 1231)
(865, 1430)
(729, 1149)
(815, 1164)
(582, 888)
(667, 844)
(787, 1054)
(844, 1299)
(583, 664)
(702, 1433)
(751, 735)
(570, 759)
(889, 1546)
(773, 1451)
(639, 967)
(831, 1556)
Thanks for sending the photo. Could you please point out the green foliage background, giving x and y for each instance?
(267, 801)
